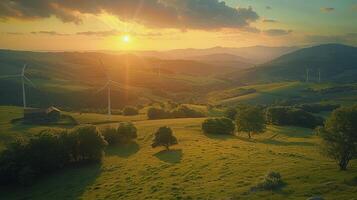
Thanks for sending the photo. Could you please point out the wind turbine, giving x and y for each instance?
(108, 85)
(24, 81)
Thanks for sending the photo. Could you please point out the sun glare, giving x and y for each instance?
(126, 38)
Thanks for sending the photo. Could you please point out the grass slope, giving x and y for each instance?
(200, 167)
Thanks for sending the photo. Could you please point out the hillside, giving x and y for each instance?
(334, 62)
(64, 78)
(234, 164)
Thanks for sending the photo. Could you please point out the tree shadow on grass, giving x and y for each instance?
(285, 143)
(292, 131)
(170, 156)
(70, 183)
(19, 125)
(123, 150)
(220, 137)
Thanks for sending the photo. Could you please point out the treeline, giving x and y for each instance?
(302, 115)
(23, 161)
(180, 111)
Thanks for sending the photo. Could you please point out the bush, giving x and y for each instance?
(221, 126)
(111, 135)
(157, 113)
(129, 111)
(185, 112)
(90, 143)
(290, 116)
(164, 137)
(125, 132)
(272, 181)
(23, 161)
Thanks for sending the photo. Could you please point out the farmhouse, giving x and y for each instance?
(37, 114)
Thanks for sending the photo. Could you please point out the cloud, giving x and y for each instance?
(182, 14)
(269, 21)
(13, 33)
(99, 33)
(327, 9)
(277, 32)
(52, 33)
(349, 38)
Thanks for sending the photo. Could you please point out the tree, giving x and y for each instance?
(157, 113)
(90, 143)
(222, 126)
(231, 113)
(164, 137)
(127, 131)
(340, 136)
(129, 111)
(250, 120)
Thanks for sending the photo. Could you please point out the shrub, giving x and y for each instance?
(23, 161)
(164, 137)
(340, 136)
(90, 143)
(221, 126)
(129, 111)
(185, 112)
(157, 113)
(272, 181)
(125, 132)
(292, 117)
(111, 135)
(250, 120)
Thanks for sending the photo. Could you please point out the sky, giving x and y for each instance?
(81, 25)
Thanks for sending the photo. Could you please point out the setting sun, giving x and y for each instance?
(126, 38)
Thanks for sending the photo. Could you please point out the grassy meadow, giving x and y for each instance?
(200, 167)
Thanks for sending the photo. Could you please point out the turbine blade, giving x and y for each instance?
(102, 88)
(117, 84)
(10, 76)
(30, 82)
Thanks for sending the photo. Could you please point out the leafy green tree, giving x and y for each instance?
(157, 113)
(127, 131)
(164, 137)
(340, 135)
(250, 120)
(231, 113)
(90, 143)
(222, 126)
(129, 111)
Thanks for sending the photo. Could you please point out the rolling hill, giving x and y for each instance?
(334, 62)
(64, 78)
(253, 55)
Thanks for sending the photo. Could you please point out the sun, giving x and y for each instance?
(126, 38)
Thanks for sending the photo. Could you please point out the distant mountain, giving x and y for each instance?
(332, 62)
(223, 59)
(253, 55)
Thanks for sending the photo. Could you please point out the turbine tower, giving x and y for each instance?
(307, 74)
(24, 81)
(108, 85)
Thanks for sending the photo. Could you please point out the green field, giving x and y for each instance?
(200, 167)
